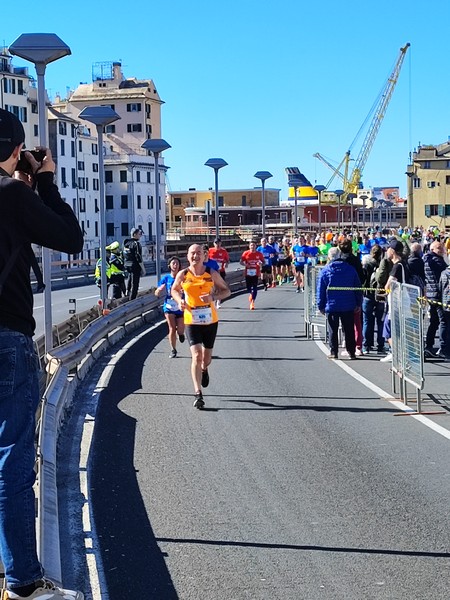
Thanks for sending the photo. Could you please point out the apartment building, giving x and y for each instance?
(129, 169)
(428, 201)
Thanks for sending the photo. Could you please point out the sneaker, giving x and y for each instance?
(430, 353)
(181, 338)
(205, 378)
(199, 402)
(358, 352)
(332, 356)
(218, 304)
(441, 355)
(47, 590)
(344, 353)
(297, 291)
(252, 305)
(387, 358)
(173, 353)
(273, 284)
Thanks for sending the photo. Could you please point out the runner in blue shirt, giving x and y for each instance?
(300, 254)
(269, 254)
(172, 312)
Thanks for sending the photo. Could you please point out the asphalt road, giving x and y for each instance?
(296, 482)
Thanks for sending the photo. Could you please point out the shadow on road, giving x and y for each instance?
(133, 564)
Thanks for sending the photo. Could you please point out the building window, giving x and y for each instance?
(134, 127)
(96, 208)
(95, 149)
(96, 229)
(431, 210)
(20, 89)
(138, 176)
(95, 185)
(73, 130)
(110, 229)
(220, 201)
(150, 202)
(123, 176)
(427, 164)
(125, 229)
(109, 202)
(72, 149)
(62, 145)
(110, 129)
(74, 178)
(148, 129)
(63, 177)
(149, 177)
(244, 200)
(81, 183)
(447, 180)
(80, 146)
(138, 201)
(416, 182)
(134, 107)
(81, 165)
(95, 167)
(36, 130)
(62, 127)
(34, 108)
(177, 201)
(108, 176)
(82, 205)
(124, 201)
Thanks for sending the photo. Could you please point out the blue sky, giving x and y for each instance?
(264, 85)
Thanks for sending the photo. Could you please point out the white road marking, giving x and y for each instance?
(385, 395)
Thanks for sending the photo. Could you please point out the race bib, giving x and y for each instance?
(170, 304)
(202, 315)
(251, 272)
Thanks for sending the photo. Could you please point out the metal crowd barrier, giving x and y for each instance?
(407, 340)
(315, 321)
(66, 366)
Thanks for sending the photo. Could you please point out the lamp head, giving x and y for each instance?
(39, 48)
(156, 145)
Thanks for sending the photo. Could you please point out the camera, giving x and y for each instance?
(24, 166)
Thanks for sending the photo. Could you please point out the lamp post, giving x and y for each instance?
(157, 146)
(295, 183)
(352, 197)
(319, 189)
(216, 164)
(42, 49)
(373, 200)
(339, 194)
(263, 175)
(100, 116)
(325, 216)
(364, 198)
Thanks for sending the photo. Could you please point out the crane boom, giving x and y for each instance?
(351, 184)
(376, 121)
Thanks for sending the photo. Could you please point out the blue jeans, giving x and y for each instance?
(373, 312)
(19, 399)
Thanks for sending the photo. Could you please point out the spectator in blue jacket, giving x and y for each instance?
(339, 305)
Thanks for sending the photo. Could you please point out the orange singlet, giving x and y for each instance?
(197, 312)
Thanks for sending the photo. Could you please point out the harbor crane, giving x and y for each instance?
(351, 181)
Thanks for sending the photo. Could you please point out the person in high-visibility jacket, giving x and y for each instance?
(115, 270)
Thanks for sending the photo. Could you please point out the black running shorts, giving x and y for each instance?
(202, 334)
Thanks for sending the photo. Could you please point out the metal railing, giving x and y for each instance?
(315, 321)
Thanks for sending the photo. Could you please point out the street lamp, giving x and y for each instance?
(319, 189)
(339, 194)
(373, 200)
(263, 175)
(325, 216)
(157, 146)
(352, 197)
(100, 116)
(295, 183)
(42, 49)
(364, 198)
(216, 164)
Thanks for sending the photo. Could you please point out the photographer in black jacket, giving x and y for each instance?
(27, 217)
(132, 254)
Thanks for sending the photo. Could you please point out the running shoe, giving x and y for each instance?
(252, 306)
(332, 356)
(199, 402)
(173, 353)
(181, 338)
(205, 378)
(273, 284)
(430, 353)
(387, 358)
(297, 291)
(358, 352)
(46, 590)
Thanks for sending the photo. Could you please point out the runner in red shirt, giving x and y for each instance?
(221, 256)
(252, 261)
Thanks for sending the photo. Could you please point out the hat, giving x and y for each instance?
(217, 240)
(113, 246)
(12, 133)
(396, 245)
(135, 230)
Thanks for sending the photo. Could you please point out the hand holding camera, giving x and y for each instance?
(34, 161)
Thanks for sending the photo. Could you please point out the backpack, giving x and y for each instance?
(129, 254)
(415, 279)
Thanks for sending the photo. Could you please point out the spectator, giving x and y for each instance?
(444, 289)
(434, 266)
(346, 248)
(372, 309)
(339, 305)
(132, 256)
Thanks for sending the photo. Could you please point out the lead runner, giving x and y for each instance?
(202, 287)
